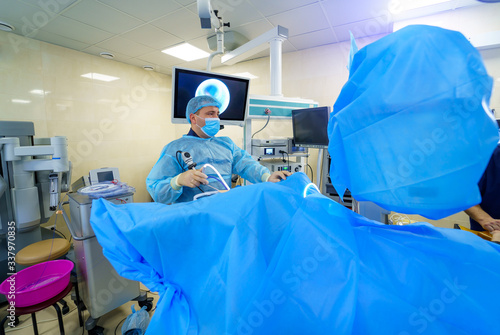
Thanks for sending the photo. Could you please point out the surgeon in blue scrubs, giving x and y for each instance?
(486, 215)
(171, 181)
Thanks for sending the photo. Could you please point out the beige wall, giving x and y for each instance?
(123, 123)
(126, 123)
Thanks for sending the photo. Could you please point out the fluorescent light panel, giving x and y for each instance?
(99, 76)
(186, 52)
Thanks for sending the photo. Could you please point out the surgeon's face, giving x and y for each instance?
(204, 113)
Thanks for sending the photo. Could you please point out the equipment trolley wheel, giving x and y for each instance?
(97, 330)
(148, 303)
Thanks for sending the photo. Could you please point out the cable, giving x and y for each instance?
(218, 174)
(312, 173)
(268, 117)
(283, 157)
(217, 179)
(119, 324)
(177, 158)
(60, 233)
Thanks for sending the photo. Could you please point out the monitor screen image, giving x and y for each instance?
(310, 127)
(230, 91)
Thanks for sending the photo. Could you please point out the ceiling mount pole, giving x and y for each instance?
(220, 47)
(276, 65)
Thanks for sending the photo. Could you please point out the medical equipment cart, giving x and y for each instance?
(102, 289)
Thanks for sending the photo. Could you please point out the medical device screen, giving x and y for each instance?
(310, 127)
(230, 91)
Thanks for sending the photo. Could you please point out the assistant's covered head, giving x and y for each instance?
(410, 129)
(197, 103)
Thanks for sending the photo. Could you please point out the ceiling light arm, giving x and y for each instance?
(275, 38)
(219, 31)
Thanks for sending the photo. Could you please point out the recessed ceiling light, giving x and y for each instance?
(148, 67)
(6, 27)
(99, 76)
(107, 55)
(186, 51)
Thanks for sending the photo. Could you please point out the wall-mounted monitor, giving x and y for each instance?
(310, 127)
(230, 91)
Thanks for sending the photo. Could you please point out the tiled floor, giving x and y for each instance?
(48, 324)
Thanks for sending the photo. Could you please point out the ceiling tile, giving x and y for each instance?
(102, 17)
(50, 6)
(159, 58)
(236, 15)
(25, 18)
(138, 62)
(314, 39)
(146, 10)
(254, 29)
(311, 18)
(362, 29)
(201, 43)
(76, 30)
(60, 40)
(152, 37)
(182, 23)
(288, 47)
(269, 7)
(341, 12)
(201, 64)
(124, 46)
(186, 2)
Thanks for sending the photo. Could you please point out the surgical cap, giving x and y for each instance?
(197, 103)
(410, 129)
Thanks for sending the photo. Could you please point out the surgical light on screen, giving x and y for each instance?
(216, 89)
(310, 127)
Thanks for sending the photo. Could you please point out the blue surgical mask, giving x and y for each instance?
(211, 127)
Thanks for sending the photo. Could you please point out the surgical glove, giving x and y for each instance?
(192, 178)
(278, 176)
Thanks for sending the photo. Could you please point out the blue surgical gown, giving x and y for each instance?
(220, 152)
